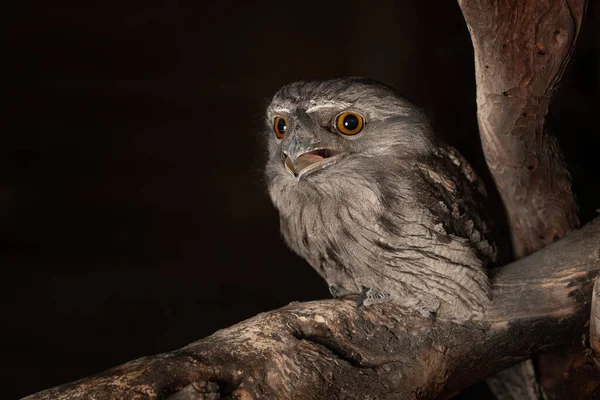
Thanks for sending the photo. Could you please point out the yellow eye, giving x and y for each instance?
(349, 123)
(280, 127)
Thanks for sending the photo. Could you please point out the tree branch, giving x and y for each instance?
(521, 51)
(332, 349)
(522, 48)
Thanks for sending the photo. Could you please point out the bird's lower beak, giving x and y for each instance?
(310, 161)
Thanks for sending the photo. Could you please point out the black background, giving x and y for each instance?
(133, 214)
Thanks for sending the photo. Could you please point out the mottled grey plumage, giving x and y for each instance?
(389, 213)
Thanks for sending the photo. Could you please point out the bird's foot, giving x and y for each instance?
(426, 312)
(369, 297)
(365, 297)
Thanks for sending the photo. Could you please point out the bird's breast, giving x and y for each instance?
(335, 235)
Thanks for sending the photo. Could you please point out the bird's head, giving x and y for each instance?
(320, 129)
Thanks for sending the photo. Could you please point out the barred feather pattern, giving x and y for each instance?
(400, 217)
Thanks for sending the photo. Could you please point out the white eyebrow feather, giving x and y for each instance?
(281, 110)
(326, 104)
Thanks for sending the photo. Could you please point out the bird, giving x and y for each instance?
(377, 203)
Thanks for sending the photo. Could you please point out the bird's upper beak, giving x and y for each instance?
(304, 156)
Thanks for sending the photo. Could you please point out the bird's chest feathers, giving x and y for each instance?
(331, 229)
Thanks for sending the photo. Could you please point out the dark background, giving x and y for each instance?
(133, 214)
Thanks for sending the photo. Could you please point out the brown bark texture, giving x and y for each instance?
(522, 48)
(521, 51)
(332, 349)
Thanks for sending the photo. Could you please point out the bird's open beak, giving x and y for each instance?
(311, 160)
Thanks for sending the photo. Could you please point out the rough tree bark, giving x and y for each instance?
(331, 349)
(521, 50)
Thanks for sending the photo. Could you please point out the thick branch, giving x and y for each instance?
(332, 349)
(521, 50)
(595, 322)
